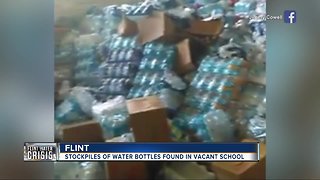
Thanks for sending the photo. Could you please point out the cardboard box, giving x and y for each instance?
(242, 170)
(148, 120)
(126, 170)
(206, 28)
(258, 80)
(82, 132)
(60, 33)
(205, 31)
(156, 26)
(127, 27)
(184, 63)
(64, 70)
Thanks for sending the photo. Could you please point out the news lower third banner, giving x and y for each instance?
(141, 152)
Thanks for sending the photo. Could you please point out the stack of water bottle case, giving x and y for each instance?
(221, 100)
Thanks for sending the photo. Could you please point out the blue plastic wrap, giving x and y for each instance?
(261, 7)
(119, 86)
(122, 56)
(174, 81)
(245, 7)
(119, 42)
(155, 71)
(76, 107)
(171, 99)
(213, 11)
(186, 113)
(156, 63)
(113, 116)
(118, 70)
(257, 128)
(143, 10)
(145, 90)
(148, 77)
(219, 126)
(215, 64)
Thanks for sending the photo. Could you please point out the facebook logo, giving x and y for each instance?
(290, 16)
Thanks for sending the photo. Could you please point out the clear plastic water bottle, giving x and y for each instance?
(153, 45)
(204, 100)
(231, 72)
(113, 56)
(219, 126)
(154, 79)
(76, 107)
(131, 93)
(221, 100)
(253, 94)
(194, 99)
(115, 71)
(139, 92)
(229, 81)
(215, 81)
(211, 63)
(261, 7)
(203, 134)
(143, 63)
(195, 122)
(210, 10)
(115, 86)
(204, 81)
(200, 83)
(125, 70)
(138, 78)
(173, 80)
(113, 116)
(69, 111)
(144, 79)
(129, 55)
(116, 43)
(91, 170)
(126, 43)
(218, 11)
(180, 122)
(146, 92)
(148, 52)
(245, 7)
(134, 44)
(171, 99)
(257, 128)
(112, 70)
(262, 108)
(122, 55)
(152, 63)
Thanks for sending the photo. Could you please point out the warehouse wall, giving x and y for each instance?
(71, 11)
(76, 7)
